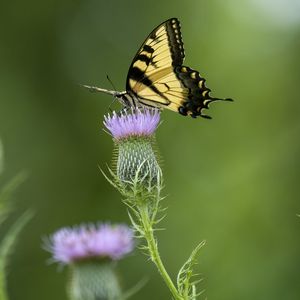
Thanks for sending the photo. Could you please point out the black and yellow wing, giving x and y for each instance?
(157, 78)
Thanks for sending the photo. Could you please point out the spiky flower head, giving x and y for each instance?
(71, 244)
(133, 133)
(135, 123)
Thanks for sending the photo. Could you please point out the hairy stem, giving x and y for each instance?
(153, 249)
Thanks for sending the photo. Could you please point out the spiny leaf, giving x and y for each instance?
(108, 179)
(185, 286)
(159, 220)
(7, 191)
(195, 295)
(6, 248)
(137, 227)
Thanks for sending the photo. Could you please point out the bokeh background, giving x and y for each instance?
(232, 180)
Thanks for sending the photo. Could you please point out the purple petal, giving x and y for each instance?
(136, 123)
(103, 240)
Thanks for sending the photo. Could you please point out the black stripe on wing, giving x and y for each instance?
(175, 41)
(162, 48)
(137, 74)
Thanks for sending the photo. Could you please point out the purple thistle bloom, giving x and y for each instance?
(71, 244)
(136, 123)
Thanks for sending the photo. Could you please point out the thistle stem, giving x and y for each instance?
(153, 249)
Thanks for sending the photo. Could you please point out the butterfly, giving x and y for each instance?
(157, 78)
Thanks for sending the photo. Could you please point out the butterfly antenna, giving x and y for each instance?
(109, 80)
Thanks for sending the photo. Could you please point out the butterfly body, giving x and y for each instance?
(157, 78)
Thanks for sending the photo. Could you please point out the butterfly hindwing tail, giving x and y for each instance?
(198, 94)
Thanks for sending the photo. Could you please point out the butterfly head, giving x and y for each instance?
(126, 99)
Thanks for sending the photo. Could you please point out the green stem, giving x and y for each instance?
(153, 250)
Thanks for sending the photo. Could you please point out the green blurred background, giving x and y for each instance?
(232, 180)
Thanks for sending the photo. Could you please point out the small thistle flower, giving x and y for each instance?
(133, 134)
(72, 244)
(89, 251)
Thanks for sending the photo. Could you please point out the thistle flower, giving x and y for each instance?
(136, 123)
(133, 134)
(77, 243)
(89, 251)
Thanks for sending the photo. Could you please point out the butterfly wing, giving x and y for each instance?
(158, 79)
